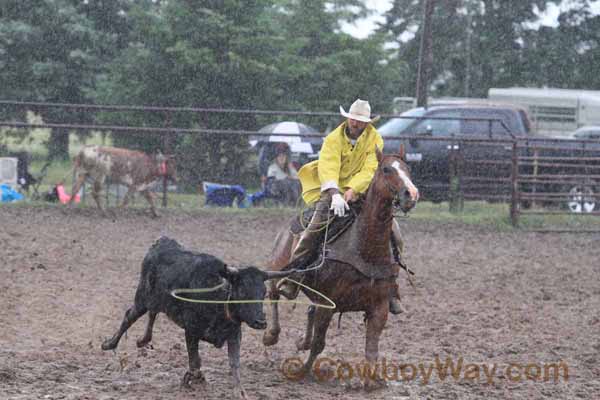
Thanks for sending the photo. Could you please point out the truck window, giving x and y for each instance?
(482, 127)
(399, 126)
(439, 127)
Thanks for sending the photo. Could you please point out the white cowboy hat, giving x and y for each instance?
(360, 110)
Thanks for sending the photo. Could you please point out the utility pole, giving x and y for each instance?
(425, 55)
(467, 87)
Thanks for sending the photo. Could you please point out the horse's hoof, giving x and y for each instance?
(108, 344)
(240, 394)
(302, 344)
(371, 385)
(271, 337)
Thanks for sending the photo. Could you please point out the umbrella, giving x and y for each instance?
(297, 144)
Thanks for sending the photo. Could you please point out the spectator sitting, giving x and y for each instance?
(282, 178)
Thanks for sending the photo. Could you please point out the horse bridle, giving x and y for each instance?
(395, 192)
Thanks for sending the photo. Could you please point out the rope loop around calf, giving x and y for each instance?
(175, 293)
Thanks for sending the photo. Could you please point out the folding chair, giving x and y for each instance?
(36, 181)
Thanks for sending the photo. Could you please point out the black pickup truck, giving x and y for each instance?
(433, 135)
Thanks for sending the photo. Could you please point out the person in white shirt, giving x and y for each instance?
(282, 178)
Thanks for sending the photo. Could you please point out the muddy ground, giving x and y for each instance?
(515, 306)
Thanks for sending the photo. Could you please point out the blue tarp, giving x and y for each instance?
(254, 198)
(223, 195)
(8, 194)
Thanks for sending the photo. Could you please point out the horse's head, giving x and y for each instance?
(392, 180)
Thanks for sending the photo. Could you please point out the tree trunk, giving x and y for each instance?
(425, 55)
(58, 145)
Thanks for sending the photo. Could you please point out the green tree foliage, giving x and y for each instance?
(242, 55)
(193, 54)
(321, 67)
(481, 38)
(48, 53)
(565, 56)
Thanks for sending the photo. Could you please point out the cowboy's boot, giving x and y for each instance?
(308, 240)
(395, 305)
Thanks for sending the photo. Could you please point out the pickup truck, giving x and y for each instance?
(424, 130)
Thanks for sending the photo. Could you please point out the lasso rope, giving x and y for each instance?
(175, 293)
(321, 225)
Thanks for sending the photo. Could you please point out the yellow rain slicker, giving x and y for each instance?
(350, 167)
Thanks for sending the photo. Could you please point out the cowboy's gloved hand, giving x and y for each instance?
(338, 205)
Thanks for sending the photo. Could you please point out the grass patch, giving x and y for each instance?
(497, 216)
(575, 222)
(35, 142)
(481, 214)
(473, 213)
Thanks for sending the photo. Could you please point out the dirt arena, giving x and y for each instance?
(515, 308)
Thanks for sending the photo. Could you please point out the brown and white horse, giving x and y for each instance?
(351, 290)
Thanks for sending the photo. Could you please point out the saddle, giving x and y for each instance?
(336, 226)
(340, 235)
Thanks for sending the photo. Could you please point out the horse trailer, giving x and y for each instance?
(553, 112)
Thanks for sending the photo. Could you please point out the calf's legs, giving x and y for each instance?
(76, 186)
(96, 189)
(194, 373)
(150, 199)
(132, 315)
(127, 196)
(147, 338)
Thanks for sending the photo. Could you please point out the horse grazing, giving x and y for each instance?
(357, 273)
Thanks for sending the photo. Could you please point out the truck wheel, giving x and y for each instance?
(581, 199)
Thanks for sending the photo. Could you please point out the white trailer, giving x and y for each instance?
(553, 112)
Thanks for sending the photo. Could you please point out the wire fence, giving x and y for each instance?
(535, 176)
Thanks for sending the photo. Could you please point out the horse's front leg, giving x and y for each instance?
(304, 342)
(280, 256)
(271, 335)
(376, 321)
(322, 319)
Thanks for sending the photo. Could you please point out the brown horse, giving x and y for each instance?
(366, 277)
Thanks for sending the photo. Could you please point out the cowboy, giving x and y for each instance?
(346, 165)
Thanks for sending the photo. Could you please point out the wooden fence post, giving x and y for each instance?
(514, 202)
(166, 152)
(455, 161)
(536, 154)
